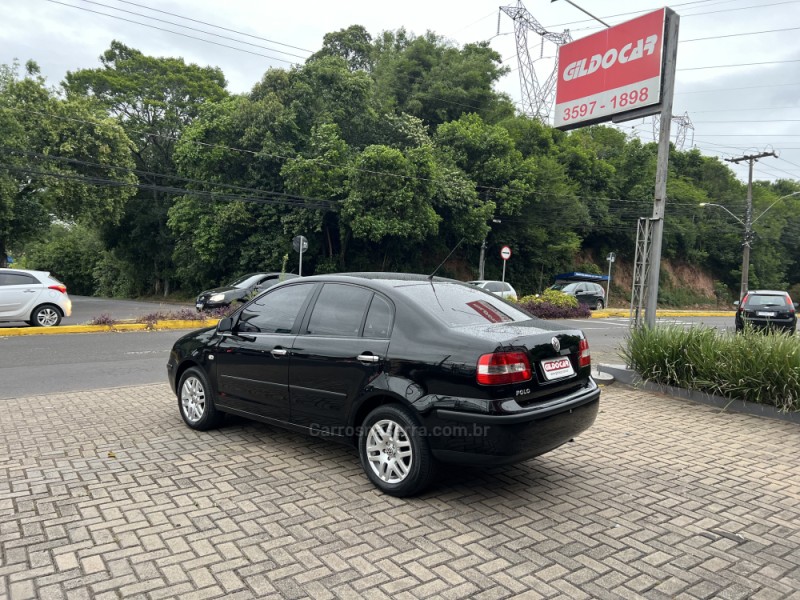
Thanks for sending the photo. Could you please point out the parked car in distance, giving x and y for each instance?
(767, 309)
(240, 289)
(587, 292)
(499, 288)
(35, 297)
(411, 370)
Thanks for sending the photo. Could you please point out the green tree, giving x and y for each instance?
(154, 99)
(58, 159)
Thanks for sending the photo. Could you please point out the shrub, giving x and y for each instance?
(103, 319)
(554, 297)
(754, 366)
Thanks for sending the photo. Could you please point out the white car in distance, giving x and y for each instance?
(34, 297)
(498, 288)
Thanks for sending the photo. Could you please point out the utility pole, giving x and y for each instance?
(662, 168)
(748, 217)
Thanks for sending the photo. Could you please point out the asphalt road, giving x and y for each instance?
(31, 365)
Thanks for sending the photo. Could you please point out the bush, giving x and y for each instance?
(553, 304)
(70, 254)
(754, 366)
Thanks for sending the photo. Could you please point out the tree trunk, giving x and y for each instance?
(3, 261)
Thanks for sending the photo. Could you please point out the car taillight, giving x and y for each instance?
(60, 287)
(743, 302)
(585, 357)
(789, 302)
(500, 368)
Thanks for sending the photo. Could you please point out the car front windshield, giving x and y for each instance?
(246, 281)
(459, 305)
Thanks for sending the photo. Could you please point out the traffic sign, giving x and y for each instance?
(300, 243)
(505, 253)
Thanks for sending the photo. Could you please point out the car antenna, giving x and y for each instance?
(430, 277)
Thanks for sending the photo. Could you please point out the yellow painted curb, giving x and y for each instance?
(624, 312)
(116, 328)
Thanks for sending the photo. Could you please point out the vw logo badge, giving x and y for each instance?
(556, 344)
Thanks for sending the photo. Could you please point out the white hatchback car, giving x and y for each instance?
(498, 288)
(34, 297)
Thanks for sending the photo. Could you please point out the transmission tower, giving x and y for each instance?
(684, 124)
(537, 97)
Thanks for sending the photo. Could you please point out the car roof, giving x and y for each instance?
(30, 271)
(381, 279)
(769, 292)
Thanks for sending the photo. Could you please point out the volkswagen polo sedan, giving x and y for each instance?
(414, 371)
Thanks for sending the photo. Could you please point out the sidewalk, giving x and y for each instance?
(107, 494)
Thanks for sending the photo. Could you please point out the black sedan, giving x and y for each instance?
(412, 370)
(766, 309)
(240, 289)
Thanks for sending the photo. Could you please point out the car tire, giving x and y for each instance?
(196, 401)
(46, 315)
(387, 434)
(600, 305)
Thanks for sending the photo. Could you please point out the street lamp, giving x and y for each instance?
(748, 233)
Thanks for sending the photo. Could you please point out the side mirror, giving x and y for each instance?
(797, 305)
(736, 303)
(225, 325)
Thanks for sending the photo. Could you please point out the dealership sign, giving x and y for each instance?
(618, 70)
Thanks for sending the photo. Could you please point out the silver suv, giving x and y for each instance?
(34, 297)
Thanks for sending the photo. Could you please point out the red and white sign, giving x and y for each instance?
(556, 368)
(505, 253)
(610, 72)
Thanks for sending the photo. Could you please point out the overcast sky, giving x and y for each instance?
(735, 110)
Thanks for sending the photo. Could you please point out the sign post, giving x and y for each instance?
(505, 254)
(610, 258)
(300, 244)
(621, 73)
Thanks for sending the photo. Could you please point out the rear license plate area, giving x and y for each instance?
(557, 368)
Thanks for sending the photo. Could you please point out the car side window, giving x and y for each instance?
(17, 279)
(494, 287)
(275, 312)
(379, 319)
(339, 310)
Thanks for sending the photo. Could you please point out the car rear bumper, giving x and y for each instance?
(769, 323)
(498, 439)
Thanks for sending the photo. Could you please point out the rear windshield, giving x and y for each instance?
(458, 305)
(766, 300)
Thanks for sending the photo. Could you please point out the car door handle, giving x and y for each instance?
(276, 352)
(368, 358)
(29, 291)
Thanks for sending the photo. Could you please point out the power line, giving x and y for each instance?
(224, 37)
(730, 35)
(164, 12)
(749, 87)
(165, 189)
(768, 62)
(75, 161)
(186, 35)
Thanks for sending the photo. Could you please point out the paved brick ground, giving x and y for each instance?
(107, 494)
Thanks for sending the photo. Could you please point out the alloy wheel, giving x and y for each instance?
(193, 399)
(47, 317)
(389, 451)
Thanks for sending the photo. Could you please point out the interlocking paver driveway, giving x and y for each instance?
(107, 494)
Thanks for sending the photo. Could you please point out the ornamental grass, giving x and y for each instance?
(762, 367)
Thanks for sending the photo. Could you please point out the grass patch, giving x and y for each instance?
(753, 366)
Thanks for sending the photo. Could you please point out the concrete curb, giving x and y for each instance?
(117, 328)
(630, 377)
(624, 312)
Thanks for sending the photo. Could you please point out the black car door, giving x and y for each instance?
(341, 347)
(252, 362)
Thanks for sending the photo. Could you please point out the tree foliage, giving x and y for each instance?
(386, 151)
